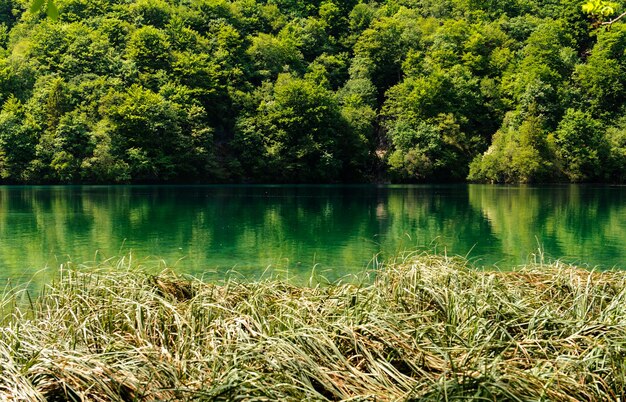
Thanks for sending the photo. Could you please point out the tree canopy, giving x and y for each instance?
(95, 91)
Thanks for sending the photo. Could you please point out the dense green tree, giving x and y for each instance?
(616, 138)
(297, 8)
(71, 144)
(581, 146)
(602, 78)
(80, 10)
(274, 54)
(146, 132)
(116, 32)
(149, 48)
(156, 13)
(379, 52)
(299, 133)
(360, 17)
(104, 165)
(430, 119)
(540, 81)
(18, 136)
(325, 90)
(519, 153)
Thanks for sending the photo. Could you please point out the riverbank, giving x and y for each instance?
(428, 328)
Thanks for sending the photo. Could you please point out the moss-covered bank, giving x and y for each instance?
(428, 328)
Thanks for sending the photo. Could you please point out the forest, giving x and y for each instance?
(333, 91)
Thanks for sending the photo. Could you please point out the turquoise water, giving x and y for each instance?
(336, 230)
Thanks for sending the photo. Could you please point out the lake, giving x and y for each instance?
(336, 230)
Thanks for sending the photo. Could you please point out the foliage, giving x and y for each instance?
(616, 138)
(17, 140)
(149, 49)
(409, 90)
(519, 153)
(298, 132)
(600, 8)
(580, 146)
(602, 78)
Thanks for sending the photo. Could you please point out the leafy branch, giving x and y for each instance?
(600, 10)
(619, 17)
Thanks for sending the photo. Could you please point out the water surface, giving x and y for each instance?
(339, 230)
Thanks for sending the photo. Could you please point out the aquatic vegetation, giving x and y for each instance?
(420, 327)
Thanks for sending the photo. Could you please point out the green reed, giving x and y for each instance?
(422, 328)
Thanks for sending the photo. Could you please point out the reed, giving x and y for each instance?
(423, 328)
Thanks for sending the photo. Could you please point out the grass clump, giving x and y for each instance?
(426, 328)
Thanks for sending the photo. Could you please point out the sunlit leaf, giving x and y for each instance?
(587, 8)
(600, 8)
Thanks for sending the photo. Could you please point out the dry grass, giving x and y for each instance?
(427, 328)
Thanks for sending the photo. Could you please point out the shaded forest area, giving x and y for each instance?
(311, 91)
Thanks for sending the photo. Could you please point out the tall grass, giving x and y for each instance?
(426, 327)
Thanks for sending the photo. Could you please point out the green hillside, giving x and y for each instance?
(311, 91)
